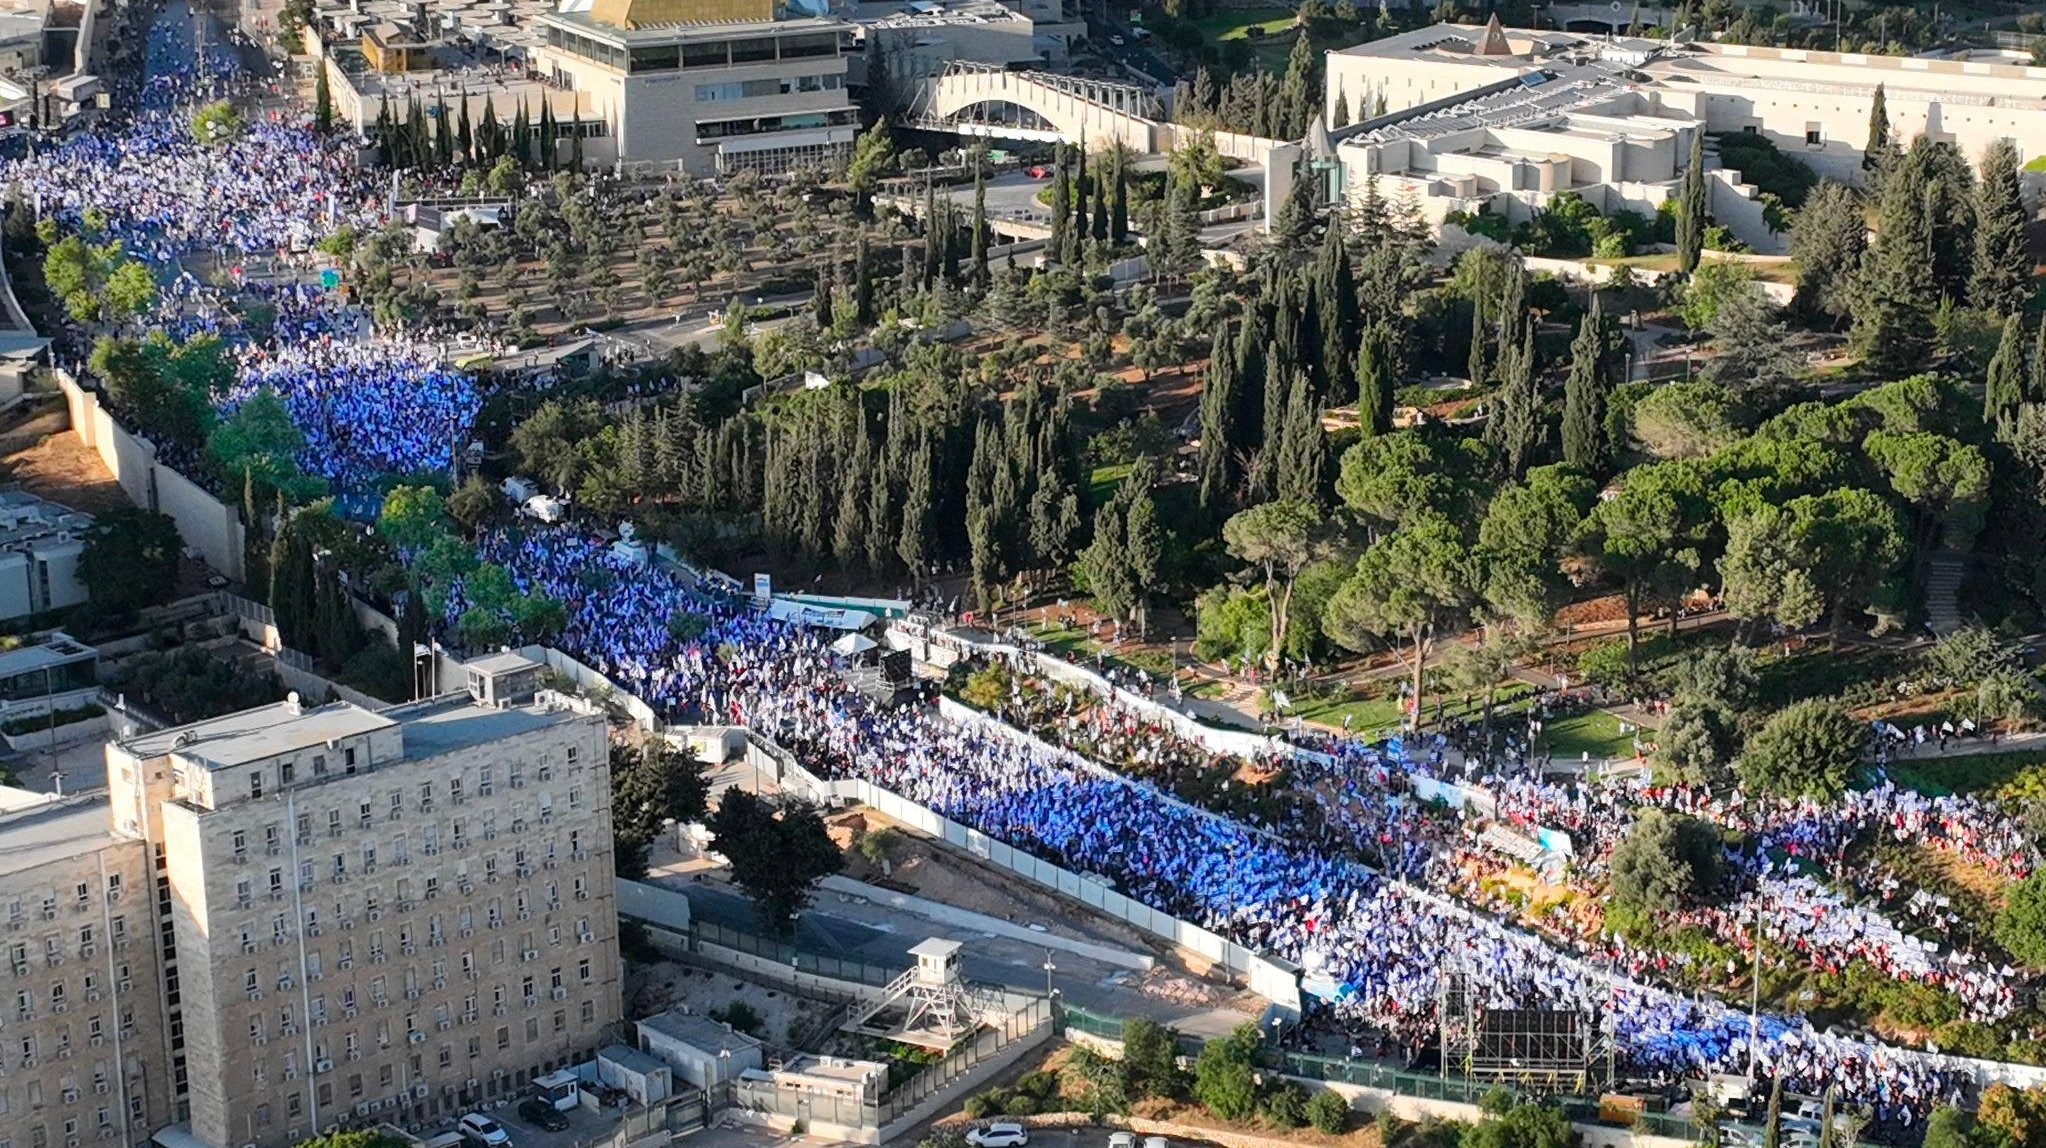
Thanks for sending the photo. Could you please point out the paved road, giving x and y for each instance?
(882, 935)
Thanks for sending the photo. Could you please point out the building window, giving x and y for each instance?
(1814, 134)
(256, 784)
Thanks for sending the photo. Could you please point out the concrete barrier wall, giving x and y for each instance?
(207, 525)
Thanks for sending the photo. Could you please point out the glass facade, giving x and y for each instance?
(741, 50)
(755, 89)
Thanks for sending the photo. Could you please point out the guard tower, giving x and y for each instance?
(929, 1006)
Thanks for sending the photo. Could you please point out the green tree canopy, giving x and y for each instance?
(130, 559)
(778, 851)
(1808, 749)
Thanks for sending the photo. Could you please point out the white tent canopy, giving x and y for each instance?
(853, 645)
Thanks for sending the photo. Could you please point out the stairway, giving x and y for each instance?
(1943, 573)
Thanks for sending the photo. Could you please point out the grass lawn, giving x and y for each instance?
(1102, 483)
(1233, 23)
(2005, 775)
(1597, 733)
(1076, 647)
(1370, 716)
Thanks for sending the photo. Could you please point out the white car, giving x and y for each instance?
(1157, 1142)
(1122, 1140)
(999, 1136)
(481, 1129)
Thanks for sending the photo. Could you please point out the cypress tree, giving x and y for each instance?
(323, 102)
(913, 544)
(1304, 448)
(1374, 385)
(1772, 1120)
(1218, 411)
(2005, 387)
(443, 134)
(489, 134)
(1098, 231)
(549, 136)
(979, 254)
(1119, 208)
(1585, 445)
(863, 284)
(1515, 426)
(2037, 391)
(1880, 149)
(2002, 269)
(1691, 207)
(820, 299)
(1060, 242)
(1336, 309)
(522, 135)
(1475, 365)
(1081, 187)
(465, 133)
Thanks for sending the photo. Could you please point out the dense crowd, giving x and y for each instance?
(367, 408)
(1384, 945)
(1293, 882)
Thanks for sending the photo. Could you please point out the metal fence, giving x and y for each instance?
(984, 1045)
(1424, 1086)
(781, 953)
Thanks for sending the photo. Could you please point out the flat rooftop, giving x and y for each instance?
(38, 828)
(430, 728)
(455, 722)
(55, 651)
(589, 25)
(697, 1031)
(932, 15)
(258, 734)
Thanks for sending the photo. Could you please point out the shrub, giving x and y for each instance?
(739, 1015)
(1039, 1085)
(1020, 1105)
(1330, 1113)
(51, 720)
(1285, 1106)
(983, 1105)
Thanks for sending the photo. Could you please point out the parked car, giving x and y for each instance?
(542, 1115)
(1037, 171)
(480, 1129)
(999, 1136)
(1122, 1140)
(1157, 1142)
(1116, 41)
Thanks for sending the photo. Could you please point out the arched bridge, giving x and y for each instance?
(979, 100)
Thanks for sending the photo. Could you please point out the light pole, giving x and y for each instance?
(1049, 969)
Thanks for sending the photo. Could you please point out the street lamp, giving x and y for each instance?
(1049, 969)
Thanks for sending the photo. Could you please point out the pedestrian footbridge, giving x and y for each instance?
(980, 100)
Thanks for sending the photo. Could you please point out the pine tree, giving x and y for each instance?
(2002, 269)
(1880, 150)
(1895, 295)
(2005, 387)
(1585, 445)
(323, 102)
(1691, 207)
(1374, 385)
